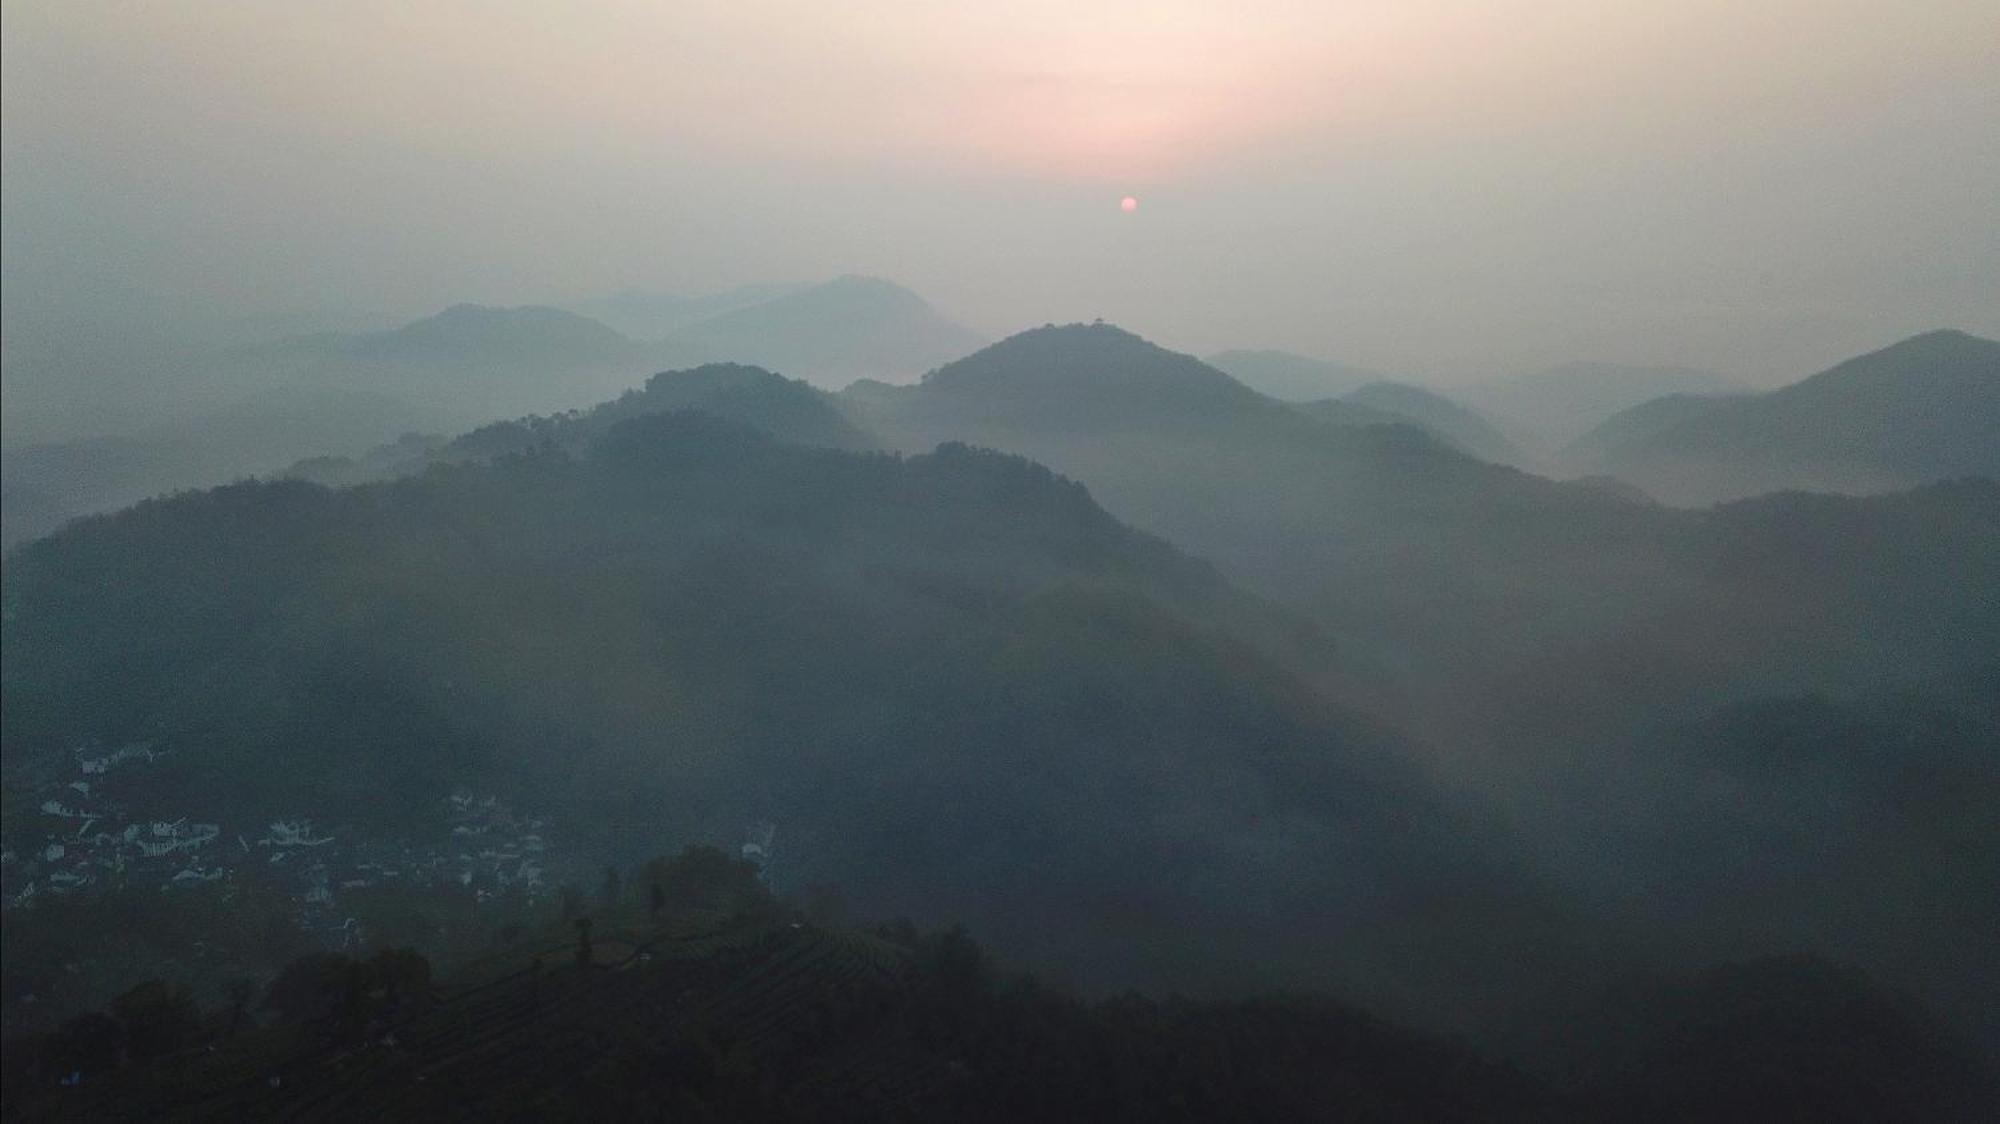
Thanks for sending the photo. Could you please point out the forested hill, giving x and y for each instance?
(755, 1011)
(1445, 565)
(711, 1017)
(955, 683)
(1922, 410)
(788, 410)
(1428, 556)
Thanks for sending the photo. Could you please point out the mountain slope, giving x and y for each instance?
(1410, 548)
(470, 362)
(330, 396)
(1456, 425)
(830, 334)
(788, 410)
(958, 686)
(1925, 409)
(1432, 560)
(1292, 378)
(1546, 410)
(44, 486)
(469, 334)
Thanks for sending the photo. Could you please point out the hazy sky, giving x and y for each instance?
(1437, 186)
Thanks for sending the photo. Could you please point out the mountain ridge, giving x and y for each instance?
(829, 334)
(1922, 409)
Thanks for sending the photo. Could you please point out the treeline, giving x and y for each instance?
(769, 1016)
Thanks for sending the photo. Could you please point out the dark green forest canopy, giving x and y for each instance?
(965, 689)
(958, 683)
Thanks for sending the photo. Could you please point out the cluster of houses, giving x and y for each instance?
(81, 839)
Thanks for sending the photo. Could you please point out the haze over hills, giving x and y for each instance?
(919, 668)
(829, 334)
(1292, 378)
(43, 486)
(524, 591)
(1366, 397)
(1372, 529)
(1925, 409)
(1532, 626)
(789, 410)
(1401, 404)
(1311, 511)
(335, 394)
(1546, 410)
(324, 394)
(1459, 426)
(965, 689)
(645, 315)
(478, 361)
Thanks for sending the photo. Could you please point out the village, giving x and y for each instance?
(80, 837)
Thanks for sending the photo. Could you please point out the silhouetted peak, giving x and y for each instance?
(1095, 334)
(1941, 343)
(1088, 375)
(1942, 355)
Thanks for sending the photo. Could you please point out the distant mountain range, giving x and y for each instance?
(1433, 561)
(1347, 395)
(473, 361)
(830, 335)
(44, 486)
(968, 685)
(498, 362)
(1312, 511)
(1545, 410)
(336, 394)
(789, 410)
(1459, 426)
(1292, 378)
(646, 315)
(1925, 409)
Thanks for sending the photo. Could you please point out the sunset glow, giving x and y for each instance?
(1422, 144)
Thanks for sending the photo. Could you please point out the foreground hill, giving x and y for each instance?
(955, 684)
(745, 1015)
(1925, 409)
(830, 334)
(746, 1019)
